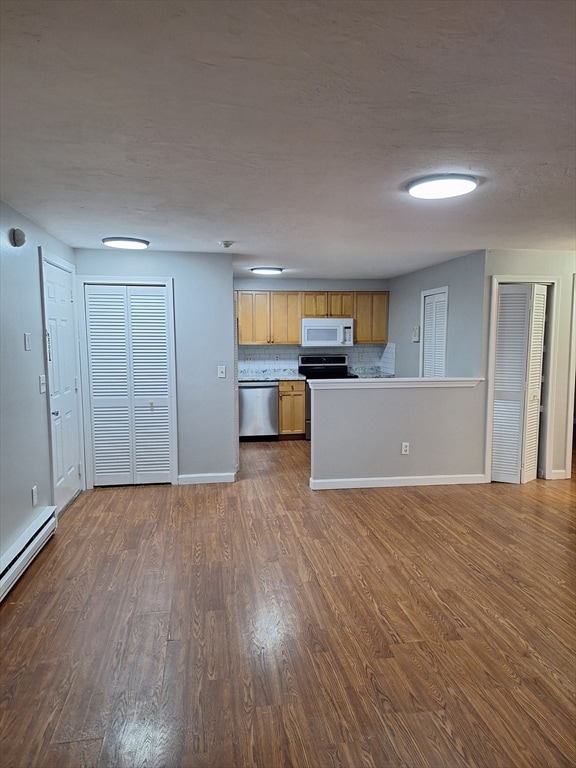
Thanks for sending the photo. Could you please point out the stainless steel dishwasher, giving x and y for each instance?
(258, 408)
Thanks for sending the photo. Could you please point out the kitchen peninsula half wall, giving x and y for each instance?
(370, 433)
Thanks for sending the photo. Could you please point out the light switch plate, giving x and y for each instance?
(27, 342)
(221, 371)
(42, 383)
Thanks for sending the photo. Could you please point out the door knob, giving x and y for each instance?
(55, 413)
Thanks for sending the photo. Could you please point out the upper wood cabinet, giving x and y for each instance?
(371, 317)
(274, 317)
(327, 304)
(268, 317)
(285, 317)
(253, 308)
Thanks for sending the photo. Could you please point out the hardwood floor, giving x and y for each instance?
(264, 624)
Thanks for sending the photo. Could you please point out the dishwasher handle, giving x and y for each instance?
(258, 384)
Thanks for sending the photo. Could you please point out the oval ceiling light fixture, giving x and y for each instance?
(442, 185)
(267, 270)
(131, 243)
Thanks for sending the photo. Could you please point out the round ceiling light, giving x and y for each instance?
(130, 243)
(442, 185)
(267, 270)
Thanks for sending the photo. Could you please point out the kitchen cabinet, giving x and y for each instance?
(285, 317)
(253, 309)
(371, 317)
(274, 317)
(291, 407)
(327, 304)
(269, 317)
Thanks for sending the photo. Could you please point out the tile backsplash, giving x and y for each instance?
(366, 360)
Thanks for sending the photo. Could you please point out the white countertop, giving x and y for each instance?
(392, 383)
(269, 374)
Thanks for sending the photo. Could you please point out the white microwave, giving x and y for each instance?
(327, 331)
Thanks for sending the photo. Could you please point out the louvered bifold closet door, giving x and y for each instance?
(110, 384)
(434, 350)
(533, 384)
(518, 367)
(150, 358)
(131, 373)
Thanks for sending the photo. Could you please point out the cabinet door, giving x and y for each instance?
(291, 407)
(315, 304)
(253, 317)
(340, 304)
(285, 316)
(380, 317)
(371, 317)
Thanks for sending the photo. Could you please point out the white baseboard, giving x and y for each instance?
(215, 477)
(391, 482)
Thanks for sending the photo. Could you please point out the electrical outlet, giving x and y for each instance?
(405, 449)
(276, 358)
(34, 495)
(248, 358)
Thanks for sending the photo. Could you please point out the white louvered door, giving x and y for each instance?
(517, 382)
(529, 463)
(151, 383)
(434, 321)
(131, 377)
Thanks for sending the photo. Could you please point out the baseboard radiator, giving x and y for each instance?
(18, 557)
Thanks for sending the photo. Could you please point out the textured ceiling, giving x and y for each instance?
(291, 127)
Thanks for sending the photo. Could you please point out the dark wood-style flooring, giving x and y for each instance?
(264, 624)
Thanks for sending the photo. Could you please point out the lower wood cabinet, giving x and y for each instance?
(291, 407)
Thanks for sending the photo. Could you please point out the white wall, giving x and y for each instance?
(542, 265)
(465, 280)
(204, 320)
(24, 436)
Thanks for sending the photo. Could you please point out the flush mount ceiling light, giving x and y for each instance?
(267, 270)
(442, 185)
(131, 243)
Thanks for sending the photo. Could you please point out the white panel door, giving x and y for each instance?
(61, 358)
(517, 382)
(131, 374)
